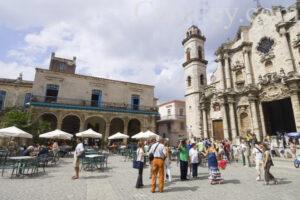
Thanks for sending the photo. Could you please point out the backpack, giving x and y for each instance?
(151, 155)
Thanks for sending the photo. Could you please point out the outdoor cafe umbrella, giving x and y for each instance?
(57, 134)
(118, 136)
(90, 133)
(138, 135)
(293, 134)
(145, 135)
(14, 132)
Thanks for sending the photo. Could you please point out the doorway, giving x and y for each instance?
(218, 131)
(279, 116)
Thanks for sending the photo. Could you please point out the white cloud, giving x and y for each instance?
(126, 40)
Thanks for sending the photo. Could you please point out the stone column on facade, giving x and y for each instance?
(290, 63)
(262, 118)
(222, 80)
(125, 130)
(106, 131)
(82, 123)
(249, 76)
(227, 71)
(232, 120)
(204, 122)
(254, 117)
(225, 121)
(294, 89)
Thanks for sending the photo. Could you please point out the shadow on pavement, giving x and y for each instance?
(233, 181)
(181, 189)
(95, 177)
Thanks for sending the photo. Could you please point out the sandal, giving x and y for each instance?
(74, 177)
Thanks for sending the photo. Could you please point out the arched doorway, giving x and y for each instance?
(49, 118)
(245, 123)
(71, 124)
(116, 125)
(134, 127)
(98, 124)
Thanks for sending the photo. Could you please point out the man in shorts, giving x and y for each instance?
(78, 152)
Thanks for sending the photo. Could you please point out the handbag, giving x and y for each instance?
(136, 164)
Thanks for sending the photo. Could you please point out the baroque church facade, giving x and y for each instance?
(256, 84)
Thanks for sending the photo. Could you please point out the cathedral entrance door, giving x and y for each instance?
(279, 116)
(218, 131)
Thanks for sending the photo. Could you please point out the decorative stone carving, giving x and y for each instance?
(272, 78)
(296, 42)
(237, 66)
(274, 92)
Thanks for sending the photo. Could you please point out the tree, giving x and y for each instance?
(21, 119)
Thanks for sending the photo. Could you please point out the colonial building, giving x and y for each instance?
(256, 83)
(172, 124)
(74, 102)
(14, 92)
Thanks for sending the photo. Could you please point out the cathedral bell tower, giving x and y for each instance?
(195, 79)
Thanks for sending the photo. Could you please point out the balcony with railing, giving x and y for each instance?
(83, 104)
(171, 117)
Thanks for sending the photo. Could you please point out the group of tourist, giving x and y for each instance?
(14, 149)
(217, 154)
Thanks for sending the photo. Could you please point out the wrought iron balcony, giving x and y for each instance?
(82, 104)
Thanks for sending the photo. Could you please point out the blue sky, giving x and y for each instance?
(131, 40)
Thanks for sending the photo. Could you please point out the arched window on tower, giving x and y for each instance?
(202, 79)
(199, 53)
(189, 81)
(188, 54)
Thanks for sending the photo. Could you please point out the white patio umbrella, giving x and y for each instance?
(57, 134)
(14, 132)
(145, 135)
(90, 133)
(118, 136)
(138, 135)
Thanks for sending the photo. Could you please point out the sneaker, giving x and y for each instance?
(258, 178)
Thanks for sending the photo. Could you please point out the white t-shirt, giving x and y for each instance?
(78, 150)
(193, 153)
(258, 154)
(140, 154)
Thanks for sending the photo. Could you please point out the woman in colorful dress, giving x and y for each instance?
(214, 173)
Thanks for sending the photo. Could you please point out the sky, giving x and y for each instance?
(129, 40)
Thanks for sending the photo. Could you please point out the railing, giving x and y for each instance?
(172, 117)
(88, 104)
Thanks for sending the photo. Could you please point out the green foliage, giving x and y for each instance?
(16, 118)
(21, 119)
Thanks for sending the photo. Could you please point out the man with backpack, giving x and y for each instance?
(157, 154)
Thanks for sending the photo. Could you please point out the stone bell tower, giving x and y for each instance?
(195, 79)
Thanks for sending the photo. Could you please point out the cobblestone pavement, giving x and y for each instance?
(117, 182)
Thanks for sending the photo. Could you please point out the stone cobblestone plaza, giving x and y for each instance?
(117, 183)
